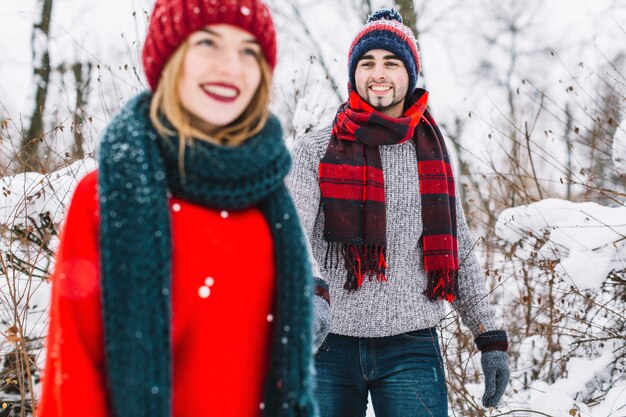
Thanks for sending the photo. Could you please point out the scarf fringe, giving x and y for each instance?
(360, 261)
(442, 285)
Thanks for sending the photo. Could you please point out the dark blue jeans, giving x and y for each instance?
(404, 375)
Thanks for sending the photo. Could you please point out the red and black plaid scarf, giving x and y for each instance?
(353, 193)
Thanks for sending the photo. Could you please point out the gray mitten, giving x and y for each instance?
(321, 324)
(321, 310)
(496, 369)
(494, 361)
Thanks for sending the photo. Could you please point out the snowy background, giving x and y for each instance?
(530, 96)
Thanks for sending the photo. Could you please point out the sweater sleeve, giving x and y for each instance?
(73, 379)
(473, 304)
(303, 184)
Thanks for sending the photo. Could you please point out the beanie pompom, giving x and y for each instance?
(386, 14)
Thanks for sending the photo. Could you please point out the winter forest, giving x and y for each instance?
(530, 95)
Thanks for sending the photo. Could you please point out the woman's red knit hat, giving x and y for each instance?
(172, 21)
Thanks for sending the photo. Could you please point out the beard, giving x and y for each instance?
(383, 104)
(378, 103)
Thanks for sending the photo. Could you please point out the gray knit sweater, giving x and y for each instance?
(398, 305)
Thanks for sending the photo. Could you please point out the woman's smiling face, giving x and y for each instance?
(220, 73)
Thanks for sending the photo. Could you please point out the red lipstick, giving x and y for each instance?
(222, 92)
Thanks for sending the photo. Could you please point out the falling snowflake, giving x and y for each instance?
(204, 292)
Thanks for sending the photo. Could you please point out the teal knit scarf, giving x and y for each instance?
(137, 167)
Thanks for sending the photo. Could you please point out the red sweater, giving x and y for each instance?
(222, 298)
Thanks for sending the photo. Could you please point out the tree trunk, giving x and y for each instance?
(407, 10)
(29, 148)
(82, 76)
(568, 144)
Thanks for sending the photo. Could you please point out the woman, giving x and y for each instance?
(182, 285)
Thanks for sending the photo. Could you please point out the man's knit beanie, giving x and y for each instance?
(384, 30)
(172, 21)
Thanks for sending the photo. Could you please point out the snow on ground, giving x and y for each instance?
(557, 399)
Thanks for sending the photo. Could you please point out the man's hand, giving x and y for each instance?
(321, 321)
(496, 369)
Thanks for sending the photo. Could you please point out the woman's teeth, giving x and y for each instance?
(220, 91)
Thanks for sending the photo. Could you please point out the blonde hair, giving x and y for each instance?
(166, 102)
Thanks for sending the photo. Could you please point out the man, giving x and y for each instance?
(376, 197)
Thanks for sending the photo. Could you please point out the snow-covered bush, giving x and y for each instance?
(31, 214)
(571, 325)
